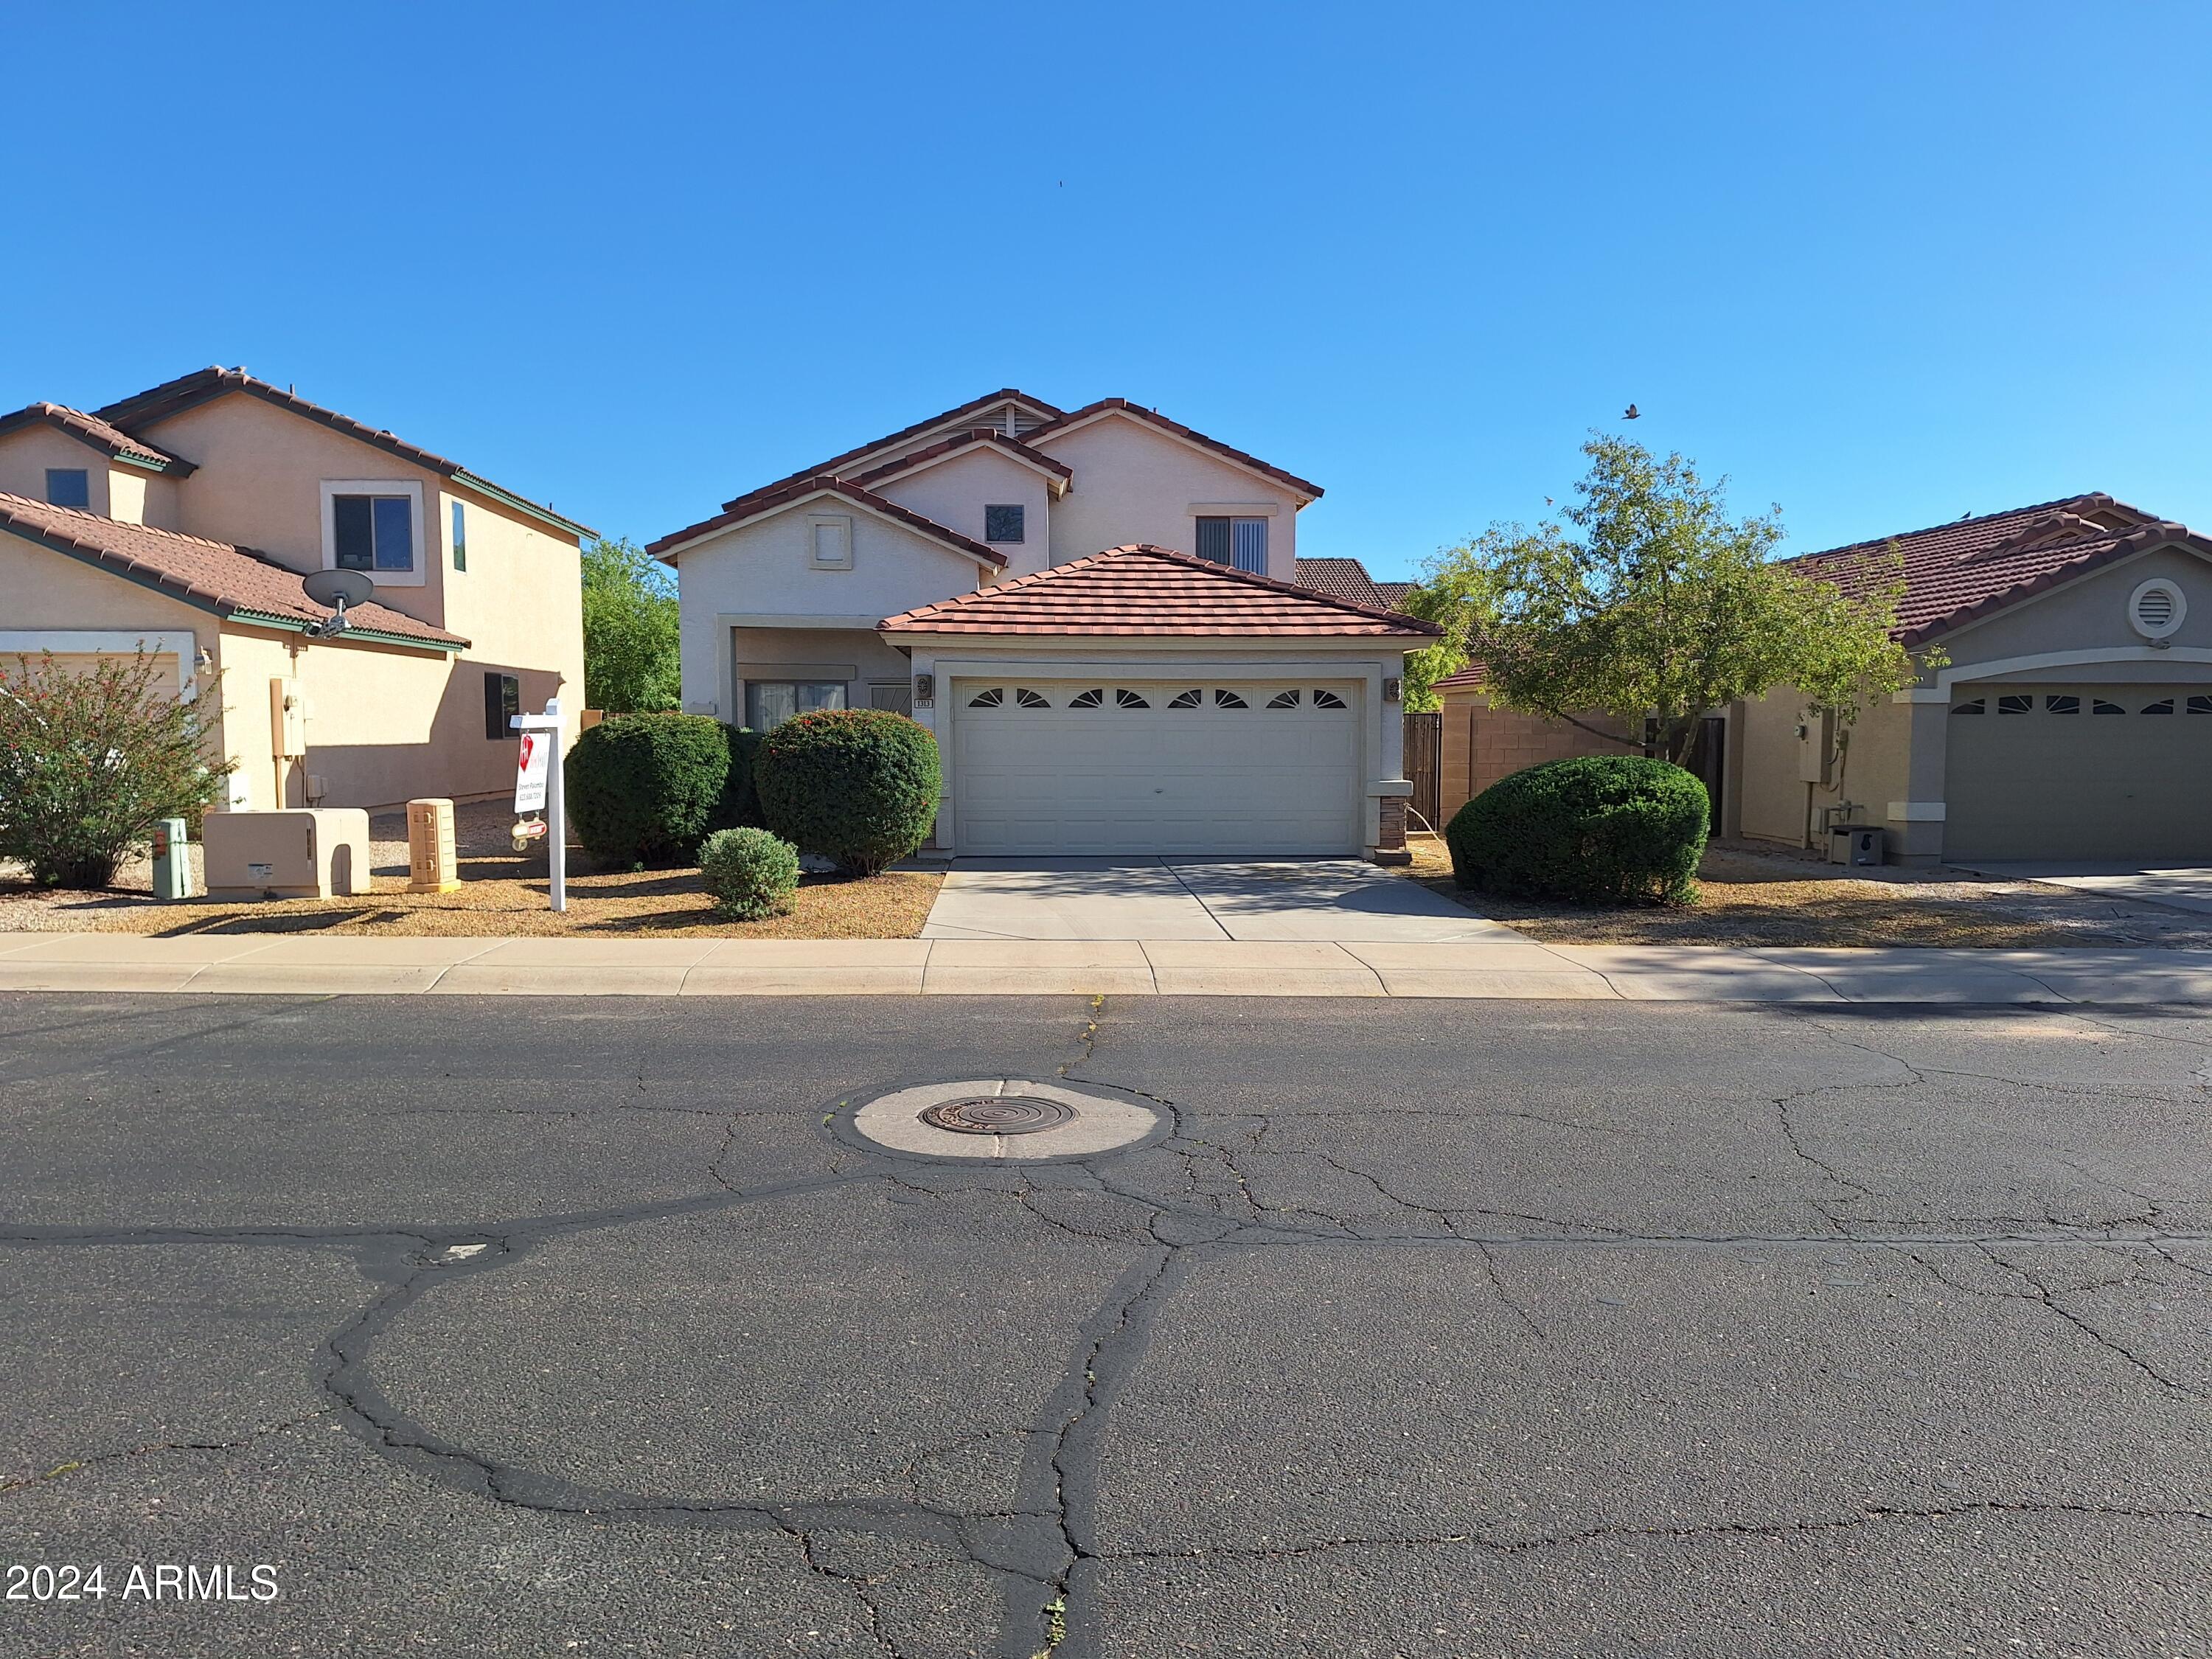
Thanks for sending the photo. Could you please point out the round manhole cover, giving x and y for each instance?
(998, 1114)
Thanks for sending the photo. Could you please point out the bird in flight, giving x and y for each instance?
(1632, 414)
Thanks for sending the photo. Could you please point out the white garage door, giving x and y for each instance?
(2105, 773)
(1151, 766)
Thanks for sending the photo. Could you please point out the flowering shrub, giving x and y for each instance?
(91, 761)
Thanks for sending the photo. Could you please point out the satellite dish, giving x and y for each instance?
(338, 589)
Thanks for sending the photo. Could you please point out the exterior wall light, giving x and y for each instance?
(1391, 689)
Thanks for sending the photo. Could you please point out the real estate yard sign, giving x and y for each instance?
(533, 768)
(537, 787)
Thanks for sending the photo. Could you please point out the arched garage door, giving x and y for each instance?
(1156, 766)
(2094, 772)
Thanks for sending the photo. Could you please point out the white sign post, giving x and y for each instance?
(537, 788)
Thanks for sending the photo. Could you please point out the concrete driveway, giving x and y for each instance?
(1344, 900)
(2179, 888)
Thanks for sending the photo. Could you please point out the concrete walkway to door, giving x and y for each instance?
(1341, 900)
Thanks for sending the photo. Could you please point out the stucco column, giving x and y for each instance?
(1916, 824)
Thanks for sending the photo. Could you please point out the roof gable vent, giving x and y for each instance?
(2156, 609)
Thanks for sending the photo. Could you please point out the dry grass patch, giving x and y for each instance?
(493, 900)
(1753, 897)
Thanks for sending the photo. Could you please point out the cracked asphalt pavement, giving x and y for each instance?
(1431, 1330)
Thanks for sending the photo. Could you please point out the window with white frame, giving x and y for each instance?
(769, 703)
(1239, 543)
(376, 526)
(68, 486)
(1004, 522)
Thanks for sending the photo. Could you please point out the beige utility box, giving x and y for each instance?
(430, 861)
(298, 853)
(288, 719)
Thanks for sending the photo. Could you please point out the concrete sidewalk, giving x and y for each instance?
(1506, 968)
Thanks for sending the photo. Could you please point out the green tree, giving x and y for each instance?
(1424, 667)
(1650, 602)
(632, 660)
(91, 761)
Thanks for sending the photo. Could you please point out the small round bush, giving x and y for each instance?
(1598, 830)
(750, 872)
(643, 789)
(857, 785)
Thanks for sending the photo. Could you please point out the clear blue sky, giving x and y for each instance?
(1883, 265)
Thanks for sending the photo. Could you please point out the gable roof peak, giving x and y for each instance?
(1142, 414)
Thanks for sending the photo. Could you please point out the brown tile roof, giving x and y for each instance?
(91, 429)
(1473, 675)
(1038, 436)
(1956, 573)
(775, 495)
(1060, 469)
(171, 397)
(1347, 579)
(837, 464)
(233, 582)
(1145, 590)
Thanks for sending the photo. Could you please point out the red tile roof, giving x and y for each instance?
(782, 495)
(837, 464)
(1347, 579)
(907, 462)
(1956, 573)
(1473, 675)
(91, 429)
(233, 582)
(1038, 436)
(1146, 590)
(171, 397)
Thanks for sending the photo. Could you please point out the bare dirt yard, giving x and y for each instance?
(1762, 893)
(501, 893)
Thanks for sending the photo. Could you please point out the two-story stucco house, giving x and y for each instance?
(184, 520)
(1096, 612)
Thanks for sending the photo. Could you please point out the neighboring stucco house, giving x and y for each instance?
(185, 518)
(1095, 610)
(2072, 719)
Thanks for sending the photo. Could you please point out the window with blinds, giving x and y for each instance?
(1239, 543)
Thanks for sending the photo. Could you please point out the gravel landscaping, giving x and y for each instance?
(1761, 893)
(501, 894)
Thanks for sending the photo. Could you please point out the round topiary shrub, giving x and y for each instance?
(750, 872)
(857, 785)
(1599, 829)
(643, 789)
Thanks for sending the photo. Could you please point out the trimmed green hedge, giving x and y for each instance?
(857, 785)
(1598, 830)
(643, 789)
(750, 872)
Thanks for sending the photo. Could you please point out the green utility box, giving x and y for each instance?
(173, 861)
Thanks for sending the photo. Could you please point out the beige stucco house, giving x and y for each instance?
(2068, 716)
(1097, 612)
(184, 519)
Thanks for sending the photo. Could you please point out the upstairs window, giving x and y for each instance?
(374, 526)
(460, 537)
(1240, 544)
(1005, 523)
(68, 486)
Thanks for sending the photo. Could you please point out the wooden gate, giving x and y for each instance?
(1424, 749)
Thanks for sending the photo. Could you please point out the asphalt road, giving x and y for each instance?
(1435, 1329)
